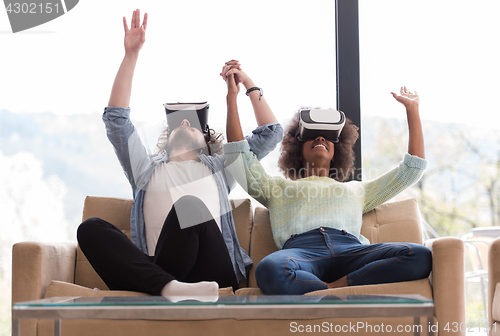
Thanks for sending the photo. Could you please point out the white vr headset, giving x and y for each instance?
(319, 122)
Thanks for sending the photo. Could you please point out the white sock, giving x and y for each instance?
(202, 291)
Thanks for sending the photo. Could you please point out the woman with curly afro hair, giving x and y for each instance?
(316, 217)
(291, 161)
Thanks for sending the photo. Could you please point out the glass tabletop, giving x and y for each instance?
(227, 300)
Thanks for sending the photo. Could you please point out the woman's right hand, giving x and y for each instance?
(136, 35)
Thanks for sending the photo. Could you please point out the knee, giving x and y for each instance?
(423, 259)
(265, 267)
(270, 276)
(190, 211)
(188, 203)
(87, 229)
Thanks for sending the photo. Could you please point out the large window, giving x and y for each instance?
(446, 51)
(56, 79)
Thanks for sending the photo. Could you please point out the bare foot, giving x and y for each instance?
(342, 282)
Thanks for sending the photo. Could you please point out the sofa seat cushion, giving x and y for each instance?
(248, 291)
(419, 287)
(60, 288)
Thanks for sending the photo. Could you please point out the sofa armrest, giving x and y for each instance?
(493, 274)
(448, 272)
(35, 265)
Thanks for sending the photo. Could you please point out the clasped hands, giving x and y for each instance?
(233, 75)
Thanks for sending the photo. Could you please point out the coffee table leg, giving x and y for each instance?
(416, 324)
(16, 327)
(430, 319)
(57, 327)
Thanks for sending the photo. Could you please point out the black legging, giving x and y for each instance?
(190, 254)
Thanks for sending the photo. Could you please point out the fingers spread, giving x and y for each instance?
(125, 26)
(137, 18)
(145, 21)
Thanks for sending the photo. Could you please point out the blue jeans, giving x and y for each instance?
(310, 260)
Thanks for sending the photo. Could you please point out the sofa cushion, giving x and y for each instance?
(248, 291)
(112, 209)
(60, 288)
(261, 242)
(243, 219)
(393, 222)
(419, 287)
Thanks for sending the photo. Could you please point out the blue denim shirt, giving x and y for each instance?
(138, 167)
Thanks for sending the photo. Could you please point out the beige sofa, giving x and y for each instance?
(43, 270)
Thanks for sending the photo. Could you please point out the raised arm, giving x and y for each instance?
(263, 113)
(411, 101)
(269, 132)
(233, 125)
(122, 134)
(134, 40)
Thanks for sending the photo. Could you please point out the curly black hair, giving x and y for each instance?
(290, 162)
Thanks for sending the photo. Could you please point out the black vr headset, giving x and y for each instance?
(195, 113)
(319, 122)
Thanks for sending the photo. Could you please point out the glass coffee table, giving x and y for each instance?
(240, 307)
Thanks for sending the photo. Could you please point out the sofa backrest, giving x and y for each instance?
(117, 211)
(389, 222)
(112, 209)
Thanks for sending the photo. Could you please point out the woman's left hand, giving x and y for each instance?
(416, 136)
(408, 98)
(233, 86)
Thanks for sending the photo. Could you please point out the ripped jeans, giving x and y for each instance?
(310, 260)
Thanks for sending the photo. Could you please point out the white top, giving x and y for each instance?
(169, 182)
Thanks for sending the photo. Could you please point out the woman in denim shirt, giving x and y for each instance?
(192, 259)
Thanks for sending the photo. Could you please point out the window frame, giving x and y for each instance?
(347, 60)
